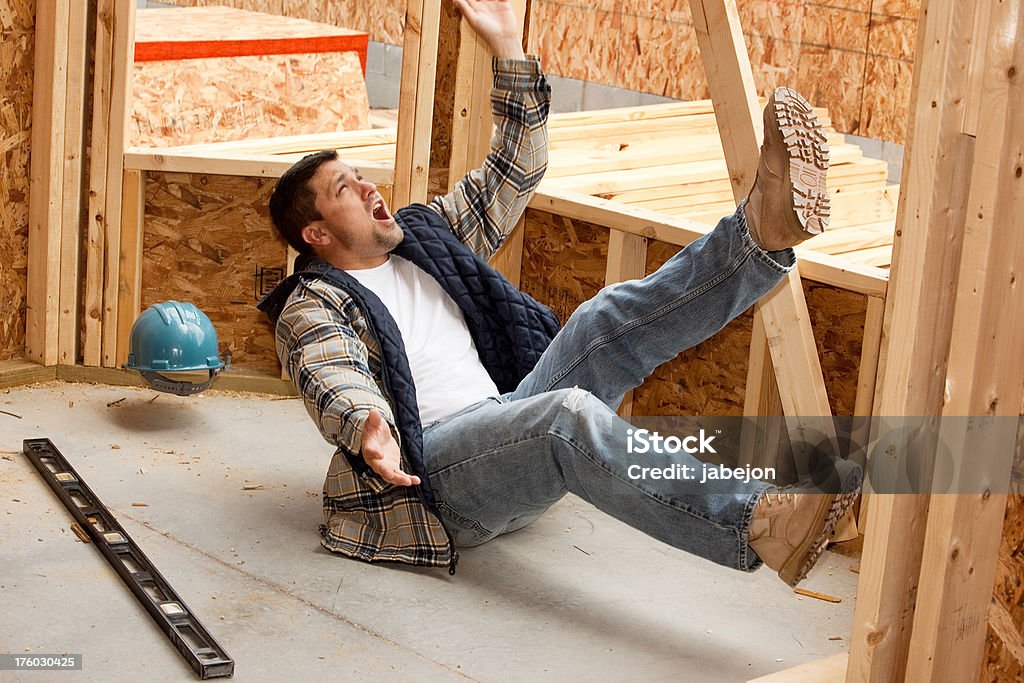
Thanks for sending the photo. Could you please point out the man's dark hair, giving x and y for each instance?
(293, 203)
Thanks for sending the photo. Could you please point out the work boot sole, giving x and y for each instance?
(831, 511)
(807, 148)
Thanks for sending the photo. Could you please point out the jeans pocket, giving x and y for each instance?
(467, 532)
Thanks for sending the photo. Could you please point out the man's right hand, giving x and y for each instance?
(381, 452)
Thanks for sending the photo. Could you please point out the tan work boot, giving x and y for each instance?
(789, 202)
(791, 525)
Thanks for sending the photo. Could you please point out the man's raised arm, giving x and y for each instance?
(484, 206)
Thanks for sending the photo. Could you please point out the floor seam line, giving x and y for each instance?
(284, 591)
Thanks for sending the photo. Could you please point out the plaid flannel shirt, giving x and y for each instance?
(324, 340)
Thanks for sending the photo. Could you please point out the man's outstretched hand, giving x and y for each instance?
(496, 23)
(381, 452)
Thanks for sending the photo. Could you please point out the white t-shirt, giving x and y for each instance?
(442, 356)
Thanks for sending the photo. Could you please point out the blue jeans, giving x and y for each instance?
(499, 464)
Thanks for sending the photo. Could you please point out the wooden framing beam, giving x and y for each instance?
(74, 177)
(783, 312)
(114, 56)
(471, 121)
(627, 260)
(508, 259)
(96, 224)
(123, 55)
(255, 165)
(824, 268)
(870, 361)
(918, 317)
(49, 108)
(964, 530)
(129, 300)
(416, 96)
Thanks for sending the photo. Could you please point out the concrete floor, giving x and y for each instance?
(575, 596)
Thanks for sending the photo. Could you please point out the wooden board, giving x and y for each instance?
(918, 319)
(205, 240)
(253, 96)
(16, 65)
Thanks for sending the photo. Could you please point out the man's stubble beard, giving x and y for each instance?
(390, 238)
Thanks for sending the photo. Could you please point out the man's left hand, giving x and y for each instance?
(496, 23)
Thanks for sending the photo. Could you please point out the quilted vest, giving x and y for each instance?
(510, 328)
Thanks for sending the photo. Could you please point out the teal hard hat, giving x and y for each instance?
(174, 337)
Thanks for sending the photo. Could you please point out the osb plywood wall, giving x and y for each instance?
(253, 96)
(1004, 644)
(382, 19)
(853, 56)
(564, 264)
(207, 239)
(17, 26)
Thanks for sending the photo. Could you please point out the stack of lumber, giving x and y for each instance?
(664, 157)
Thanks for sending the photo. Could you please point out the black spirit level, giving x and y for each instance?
(206, 657)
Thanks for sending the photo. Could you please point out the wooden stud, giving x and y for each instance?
(783, 312)
(47, 181)
(129, 300)
(96, 225)
(472, 123)
(508, 259)
(762, 406)
(964, 530)
(416, 95)
(123, 55)
(870, 360)
(627, 260)
(918, 318)
(74, 177)
(289, 270)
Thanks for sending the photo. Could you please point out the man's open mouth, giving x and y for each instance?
(380, 212)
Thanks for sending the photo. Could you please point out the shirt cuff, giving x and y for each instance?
(518, 74)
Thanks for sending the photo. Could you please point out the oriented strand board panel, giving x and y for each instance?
(564, 261)
(855, 56)
(444, 88)
(889, 69)
(852, 56)
(1004, 643)
(208, 240)
(382, 19)
(837, 318)
(215, 74)
(16, 66)
(564, 265)
(197, 101)
(708, 379)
